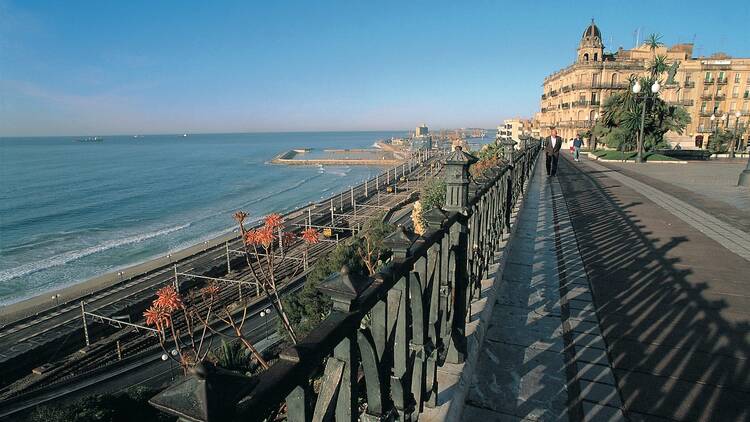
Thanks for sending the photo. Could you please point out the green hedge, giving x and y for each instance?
(630, 156)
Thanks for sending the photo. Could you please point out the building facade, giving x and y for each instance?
(717, 86)
(516, 129)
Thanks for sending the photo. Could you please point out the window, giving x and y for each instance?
(722, 77)
(732, 106)
(708, 77)
(703, 107)
(614, 78)
(585, 57)
(744, 106)
(735, 92)
(705, 92)
(596, 56)
(687, 77)
(594, 79)
(737, 77)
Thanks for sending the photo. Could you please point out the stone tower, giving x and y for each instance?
(591, 48)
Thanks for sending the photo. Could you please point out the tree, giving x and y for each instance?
(653, 42)
(362, 254)
(368, 243)
(432, 194)
(719, 141)
(621, 119)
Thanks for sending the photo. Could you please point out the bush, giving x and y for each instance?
(432, 194)
(131, 405)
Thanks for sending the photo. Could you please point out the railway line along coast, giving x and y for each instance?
(48, 354)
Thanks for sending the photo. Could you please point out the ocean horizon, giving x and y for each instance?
(71, 211)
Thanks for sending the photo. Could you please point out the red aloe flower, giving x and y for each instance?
(251, 237)
(168, 299)
(157, 316)
(240, 216)
(311, 236)
(273, 221)
(265, 236)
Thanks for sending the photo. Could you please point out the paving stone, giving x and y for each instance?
(600, 393)
(477, 414)
(594, 412)
(519, 381)
(594, 372)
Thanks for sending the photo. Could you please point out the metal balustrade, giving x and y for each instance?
(396, 327)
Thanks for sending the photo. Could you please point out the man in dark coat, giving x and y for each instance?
(552, 151)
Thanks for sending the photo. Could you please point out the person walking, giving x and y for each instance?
(552, 152)
(577, 144)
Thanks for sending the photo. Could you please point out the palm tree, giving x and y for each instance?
(653, 42)
(657, 67)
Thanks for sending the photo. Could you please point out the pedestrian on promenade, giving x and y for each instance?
(552, 151)
(577, 144)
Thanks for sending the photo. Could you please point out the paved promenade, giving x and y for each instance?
(625, 300)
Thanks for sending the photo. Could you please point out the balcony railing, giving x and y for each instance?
(721, 81)
(544, 96)
(553, 93)
(686, 103)
(595, 102)
(565, 106)
(706, 96)
(609, 85)
(720, 96)
(708, 81)
(689, 84)
(581, 103)
(575, 123)
(416, 310)
(704, 129)
(705, 113)
(566, 88)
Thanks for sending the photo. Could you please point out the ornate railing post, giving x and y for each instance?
(209, 394)
(344, 289)
(399, 243)
(457, 199)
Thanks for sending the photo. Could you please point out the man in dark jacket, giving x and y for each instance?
(552, 151)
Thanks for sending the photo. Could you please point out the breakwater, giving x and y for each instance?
(340, 157)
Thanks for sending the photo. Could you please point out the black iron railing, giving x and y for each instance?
(396, 328)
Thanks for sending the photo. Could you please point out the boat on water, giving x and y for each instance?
(90, 139)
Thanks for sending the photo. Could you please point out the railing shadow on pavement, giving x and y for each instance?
(678, 350)
(383, 366)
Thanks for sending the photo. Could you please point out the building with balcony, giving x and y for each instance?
(516, 129)
(716, 85)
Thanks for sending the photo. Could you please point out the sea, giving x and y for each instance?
(70, 211)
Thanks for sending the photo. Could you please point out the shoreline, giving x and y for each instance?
(76, 292)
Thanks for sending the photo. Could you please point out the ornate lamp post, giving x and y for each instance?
(593, 135)
(264, 315)
(736, 138)
(655, 91)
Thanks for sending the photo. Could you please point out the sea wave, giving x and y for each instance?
(66, 257)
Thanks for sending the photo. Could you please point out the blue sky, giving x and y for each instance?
(124, 67)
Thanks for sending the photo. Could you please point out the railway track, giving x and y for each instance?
(345, 210)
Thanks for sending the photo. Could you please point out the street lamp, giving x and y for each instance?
(593, 135)
(736, 136)
(655, 87)
(264, 314)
